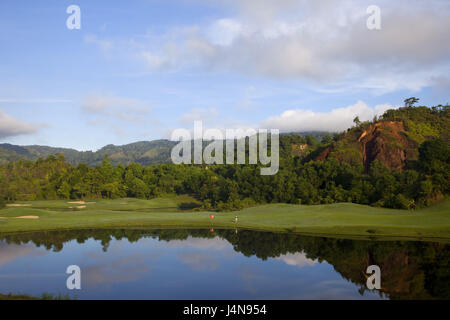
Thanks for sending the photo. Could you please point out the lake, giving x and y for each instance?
(219, 264)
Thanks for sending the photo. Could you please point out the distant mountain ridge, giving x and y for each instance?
(143, 152)
(393, 139)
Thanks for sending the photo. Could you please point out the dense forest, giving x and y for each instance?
(401, 160)
(143, 152)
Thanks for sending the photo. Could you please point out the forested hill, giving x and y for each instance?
(394, 139)
(143, 152)
(401, 160)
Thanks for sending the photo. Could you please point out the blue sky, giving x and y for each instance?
(136, 70)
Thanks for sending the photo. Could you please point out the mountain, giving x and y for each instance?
(143, 152)
(393, 139)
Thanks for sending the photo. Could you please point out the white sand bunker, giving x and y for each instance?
(78, 207)
(28, 217)
(77, 202)
(18, 205)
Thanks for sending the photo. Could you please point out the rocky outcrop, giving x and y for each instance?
(386, 142)
(383, 141)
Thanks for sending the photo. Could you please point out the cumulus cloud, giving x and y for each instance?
(210, 118)
(336, 120)
(10, 127)
(199, 114)
(320, 40)
(124, 108)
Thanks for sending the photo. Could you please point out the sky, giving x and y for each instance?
(138, 69)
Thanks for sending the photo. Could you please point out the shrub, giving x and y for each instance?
(401, 202)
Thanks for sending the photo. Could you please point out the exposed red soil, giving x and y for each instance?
(383, 141)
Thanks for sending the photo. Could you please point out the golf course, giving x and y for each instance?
(340, 219)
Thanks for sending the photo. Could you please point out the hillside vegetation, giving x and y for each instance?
(143, 152)
(393, 139)
(401, 160)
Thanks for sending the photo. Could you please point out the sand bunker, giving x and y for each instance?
(77, 202)
(79, 207)
(18, 205)
(28, 217)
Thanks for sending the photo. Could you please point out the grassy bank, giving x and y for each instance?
(344, 219)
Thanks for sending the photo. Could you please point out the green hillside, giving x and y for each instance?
(144, 152)
(401, 161)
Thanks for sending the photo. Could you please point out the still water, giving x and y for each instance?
(223, 264)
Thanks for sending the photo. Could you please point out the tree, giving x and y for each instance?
(401, 202)
(357, 121)
(64, 190)
(434, 156)
(137, 188)
(411, 101)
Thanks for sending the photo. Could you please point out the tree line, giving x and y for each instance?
(227, 187)
(302, 179)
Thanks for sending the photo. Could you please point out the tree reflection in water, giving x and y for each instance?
(410, 269)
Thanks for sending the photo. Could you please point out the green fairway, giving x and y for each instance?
(343, 219)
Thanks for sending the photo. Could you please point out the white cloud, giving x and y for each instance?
(104, 45)
(10, 126)
(224, 31)
(297, 259)
(14, 100)
(199, 114)
(336, 120)
(317, 40)
(127, 109)
(199, 243)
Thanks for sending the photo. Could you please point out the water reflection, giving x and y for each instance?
(225, 264)
(11, 252)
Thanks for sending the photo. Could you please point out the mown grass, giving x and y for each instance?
(342, 219)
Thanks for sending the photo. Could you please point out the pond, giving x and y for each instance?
(219, 264)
